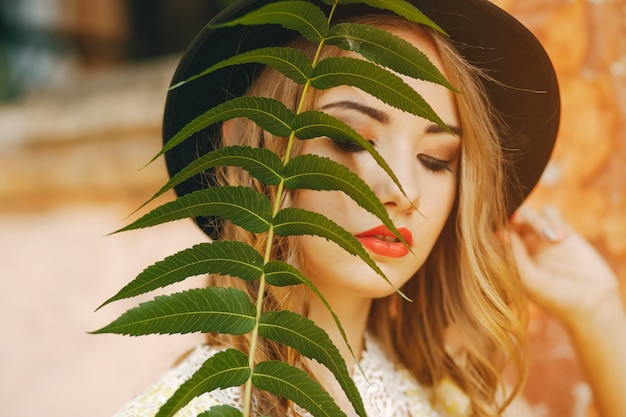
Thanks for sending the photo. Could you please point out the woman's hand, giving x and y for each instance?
(562, 272)
(569, 279)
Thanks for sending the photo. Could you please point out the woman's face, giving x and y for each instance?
(423, 156)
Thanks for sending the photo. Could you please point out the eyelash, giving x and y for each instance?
(432, 164)
(347, 145)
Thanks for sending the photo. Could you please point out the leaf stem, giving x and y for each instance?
(270, 234)
(253, 341)
(332, 11)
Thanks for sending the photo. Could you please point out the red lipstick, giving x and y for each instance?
(382, 241)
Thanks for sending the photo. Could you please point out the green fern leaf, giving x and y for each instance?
(386, 49)
(293, 221)
(291, 62)
(228, 310)
(314, 172)
(282, 274)
(399, 7)
(261, 163)
(225, 369)
(314, 124)
(221, 411)
(270, 114)
(311, 341)
(293, 383)
(301, 16)
(223, 257)
(212, 309)
(377, 81)
(241, 205)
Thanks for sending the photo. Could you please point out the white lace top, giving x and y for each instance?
(387, 391)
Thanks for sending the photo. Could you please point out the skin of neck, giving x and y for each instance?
(353, 313)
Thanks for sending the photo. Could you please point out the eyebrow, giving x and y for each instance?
(434, 128)
(383, 117)
(375, 114)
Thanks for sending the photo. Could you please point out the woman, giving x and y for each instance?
(467, 266)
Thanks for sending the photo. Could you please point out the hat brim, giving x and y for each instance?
(524, 90)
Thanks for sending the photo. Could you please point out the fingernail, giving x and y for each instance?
(552, 235)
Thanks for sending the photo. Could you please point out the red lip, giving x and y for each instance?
(372, 240)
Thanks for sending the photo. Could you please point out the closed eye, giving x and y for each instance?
(433, 164)
(348, 146)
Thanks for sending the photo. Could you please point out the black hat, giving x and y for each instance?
(524, 89)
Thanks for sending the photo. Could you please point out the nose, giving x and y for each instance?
(388, 191)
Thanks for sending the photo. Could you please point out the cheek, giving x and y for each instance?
(329, 203)
(307, 200)
(437, 197)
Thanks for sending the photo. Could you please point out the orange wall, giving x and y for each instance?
(586, 179)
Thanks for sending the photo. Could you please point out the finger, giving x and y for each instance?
(556, 222)
(527, 224)
(525, 230)
(545, 226)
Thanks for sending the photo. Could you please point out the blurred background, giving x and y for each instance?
(82, 88)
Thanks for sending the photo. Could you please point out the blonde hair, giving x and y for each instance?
(469, 281)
